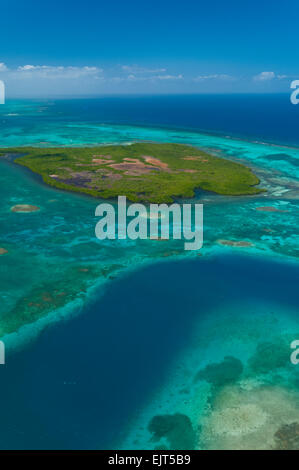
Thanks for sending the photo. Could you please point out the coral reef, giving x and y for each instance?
(256, 417)
(222, 373)
(287, 437)
(176, 428)
(270, 356)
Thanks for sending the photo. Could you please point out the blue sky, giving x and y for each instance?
(104, 47)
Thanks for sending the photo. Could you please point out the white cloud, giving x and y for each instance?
(136, 73)
(264, 76)
(3, 67)
(31, 80)
(133, 77)
(135, 69)
(168, 77)
(49, 79)
(56, 72)
(216, 76)
(27, 67)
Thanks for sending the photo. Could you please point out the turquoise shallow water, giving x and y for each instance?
(55, 269)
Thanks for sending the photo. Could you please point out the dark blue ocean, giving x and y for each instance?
(271, 117)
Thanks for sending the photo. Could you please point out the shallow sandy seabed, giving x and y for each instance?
(249, 419)
(24, 208)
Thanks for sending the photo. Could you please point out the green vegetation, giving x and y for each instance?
(147, 172)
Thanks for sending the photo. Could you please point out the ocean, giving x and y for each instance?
(148, 344)
(269, 118)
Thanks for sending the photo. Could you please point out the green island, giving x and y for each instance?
(147, 172)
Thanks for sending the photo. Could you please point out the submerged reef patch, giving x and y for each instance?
(67, 286)
(176, 428)
(270, 356)
(222, 373)
(287, 437)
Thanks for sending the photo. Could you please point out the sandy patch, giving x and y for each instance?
(240, 243)
(24, 208)
(134, 167)
(3, 251)
(251, 418)
(269, 209)
(155, 162)
(101, 161)
(238, 420)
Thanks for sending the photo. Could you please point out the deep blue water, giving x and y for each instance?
(269, 117)
(81, 381)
